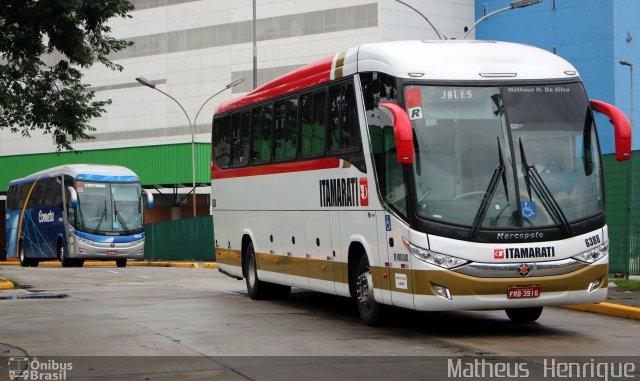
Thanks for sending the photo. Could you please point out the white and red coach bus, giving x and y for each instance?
(431, 175)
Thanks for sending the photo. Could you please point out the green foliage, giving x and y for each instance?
(627, 284)
(52, 98)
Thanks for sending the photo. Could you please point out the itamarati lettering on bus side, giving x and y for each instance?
(339, 192)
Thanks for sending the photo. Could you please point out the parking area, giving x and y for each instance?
(208, 319)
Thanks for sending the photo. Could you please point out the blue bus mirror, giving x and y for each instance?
(73, 197)
(149, 198)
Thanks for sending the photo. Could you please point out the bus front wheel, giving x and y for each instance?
(370, 310)
(64, 261)
(121, 262)
(524, 315)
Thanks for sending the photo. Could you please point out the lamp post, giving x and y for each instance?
(514, 5)
(627, 63)
(630, 174)
(152, 85)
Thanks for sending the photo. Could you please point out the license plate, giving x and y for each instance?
(112, 252)
(523, 292)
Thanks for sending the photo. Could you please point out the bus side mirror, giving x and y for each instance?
(621, 127)
(73, 197)
(149, 196)
(402, 131)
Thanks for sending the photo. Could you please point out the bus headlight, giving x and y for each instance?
(438, 259)
(593, 254)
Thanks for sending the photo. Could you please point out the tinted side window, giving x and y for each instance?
(37, 195)
(221, 137)
(379, 87)
(344, 131)
(11, 197)
(312, 128)
(240, 138)
(261, 124)
(285, 129)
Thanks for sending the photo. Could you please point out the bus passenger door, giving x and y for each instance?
(295, 264)
(399, 262)
(319, 251)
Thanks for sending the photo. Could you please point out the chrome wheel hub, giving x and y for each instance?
(364, 288)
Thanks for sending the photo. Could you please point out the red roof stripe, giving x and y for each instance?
(304, 77)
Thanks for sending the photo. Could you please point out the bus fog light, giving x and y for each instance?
(441, 290)
(594, 285)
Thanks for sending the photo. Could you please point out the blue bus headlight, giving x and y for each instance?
(593, 254)
(438, 259)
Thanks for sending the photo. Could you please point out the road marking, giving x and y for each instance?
(144, 276)
(115, 272)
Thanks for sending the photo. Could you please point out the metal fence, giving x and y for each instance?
(623, 209)
(184, 239)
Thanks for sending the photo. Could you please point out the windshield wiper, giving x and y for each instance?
(533, 180)
(121, 220)
(488, 194)
(102, 217)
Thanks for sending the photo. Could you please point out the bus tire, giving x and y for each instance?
(370, 310)
(256, 288)
(524, 315)
(121, 262)
(24, 261)
(79, 263)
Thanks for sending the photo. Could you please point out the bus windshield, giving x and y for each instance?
(109, 207)
(477, 141)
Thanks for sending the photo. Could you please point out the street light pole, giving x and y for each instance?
(192, 126)
(630, 173)
(627, 63)
(514, 5)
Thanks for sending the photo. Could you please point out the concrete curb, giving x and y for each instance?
(210, 265)
(6, 284)
(610, 309)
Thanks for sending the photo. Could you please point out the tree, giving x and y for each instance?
(72, 34)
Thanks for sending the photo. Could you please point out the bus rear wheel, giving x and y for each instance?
(24, 261)
(370, 310)
(256, 288)
(524, 315)
(121, 262)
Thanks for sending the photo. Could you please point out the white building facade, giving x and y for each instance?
(193, 48)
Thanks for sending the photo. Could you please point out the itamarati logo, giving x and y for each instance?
(32, 369)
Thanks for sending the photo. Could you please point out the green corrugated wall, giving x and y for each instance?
(162, 164)
(623, 209)
(177, 240)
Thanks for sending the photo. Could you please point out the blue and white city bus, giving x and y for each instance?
(76, 212)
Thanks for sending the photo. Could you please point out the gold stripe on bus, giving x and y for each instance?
(24, 207)
(339, 70)
(420, 282)
(460, 284)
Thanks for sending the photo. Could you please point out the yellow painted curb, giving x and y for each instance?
(191, 265)
(210, 265)
(6, 285)
(610, 309)
(49, 263)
